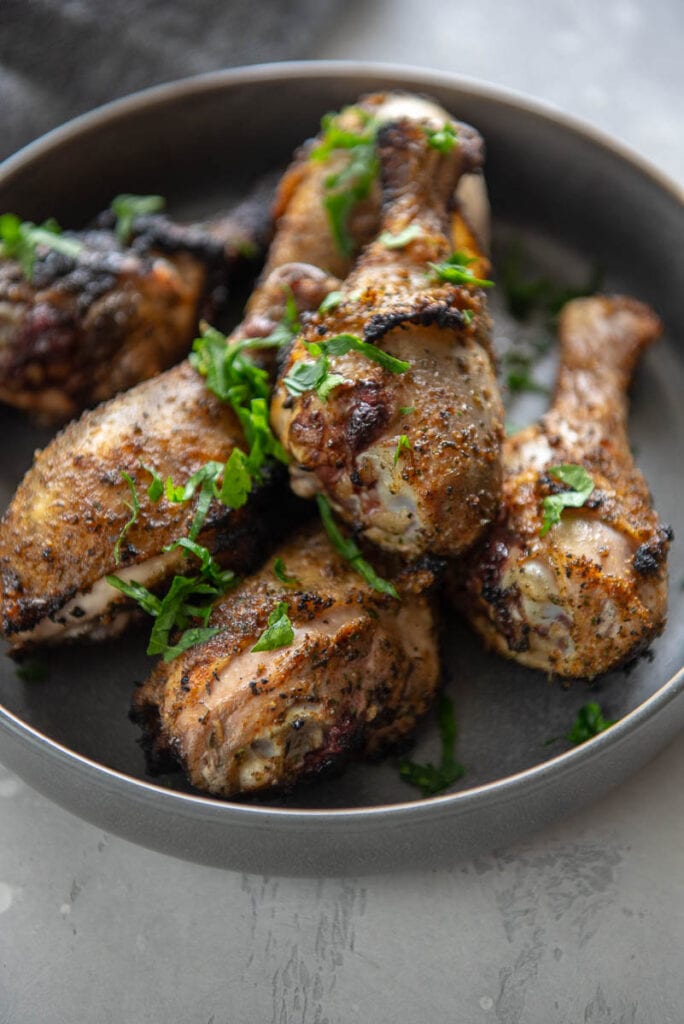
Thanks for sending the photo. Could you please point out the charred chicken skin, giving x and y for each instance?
(57, 540)
(588, 593)
(410, 458)
(87, 326)
(360, 669)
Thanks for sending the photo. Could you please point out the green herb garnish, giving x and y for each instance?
(280, 571)
(345, 188)
(330, 302)
(406, 410)
(442, 139)
(21, 240)
(134, 506)
(456, 270)
(526, 294)
(235, 379)
(188, 598)
(403, 445)
(279, 632)
(589, 722)
(402, 239)
(433, 779)
(317, 377)
(349, 549)
(32, 670)
(127, 207)
(582, 485)
(518, 368)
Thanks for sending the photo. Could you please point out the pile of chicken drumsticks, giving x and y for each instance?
(295, 633)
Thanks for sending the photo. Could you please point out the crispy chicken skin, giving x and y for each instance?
(361, 669)
(591, 593)
(436, 490)
(57, 538)
(84, 328)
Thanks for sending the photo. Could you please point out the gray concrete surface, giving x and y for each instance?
(582, 924)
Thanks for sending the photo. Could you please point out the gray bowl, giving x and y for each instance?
(574, 199)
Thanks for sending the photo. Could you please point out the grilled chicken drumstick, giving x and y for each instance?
(410, 457)
(359, 669)
(86, 326)
(582, 595)
(58, 537)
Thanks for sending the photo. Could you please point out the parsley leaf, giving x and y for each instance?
(280, 571)
(188, 598)
(582, 485)
(403, 444)
(21, 240)
(589, 722)
(526, 294)
(402, 239)
(330, 302)
(279, 632)
(349, 549)
(126, 207)
(456, 270)
(134, 506)
(442, 139)
(345, 188)
(32, 670)
(406, 410)
(316, 376)
(433, 779)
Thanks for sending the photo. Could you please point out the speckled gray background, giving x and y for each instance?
(582, 924)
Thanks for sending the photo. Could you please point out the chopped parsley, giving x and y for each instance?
(406, 410)
(442, 139)
(32, 670)
(345, 188)
(589, 722)
(280, 572)
(402, 239)
(188, 598)
(403, 445)
(22, 240)
(235, 379)
(278, 633)
(518, 366)
(433, 779)
(134, 506)
(349, 549)
(456, 270)
(526, 294)
(330, 302)
(127, 207)
(317, 377)
(581, 484)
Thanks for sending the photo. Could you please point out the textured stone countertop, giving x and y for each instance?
(581, 924)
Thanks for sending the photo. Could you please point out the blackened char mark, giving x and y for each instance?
(650, 557)
(367, 417)
(438, 313)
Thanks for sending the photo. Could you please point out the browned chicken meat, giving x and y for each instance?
(88, 324)
(58, 537)
(389, 403)
(354, 673)
(572, 578)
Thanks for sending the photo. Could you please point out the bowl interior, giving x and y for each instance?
(571, 203)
